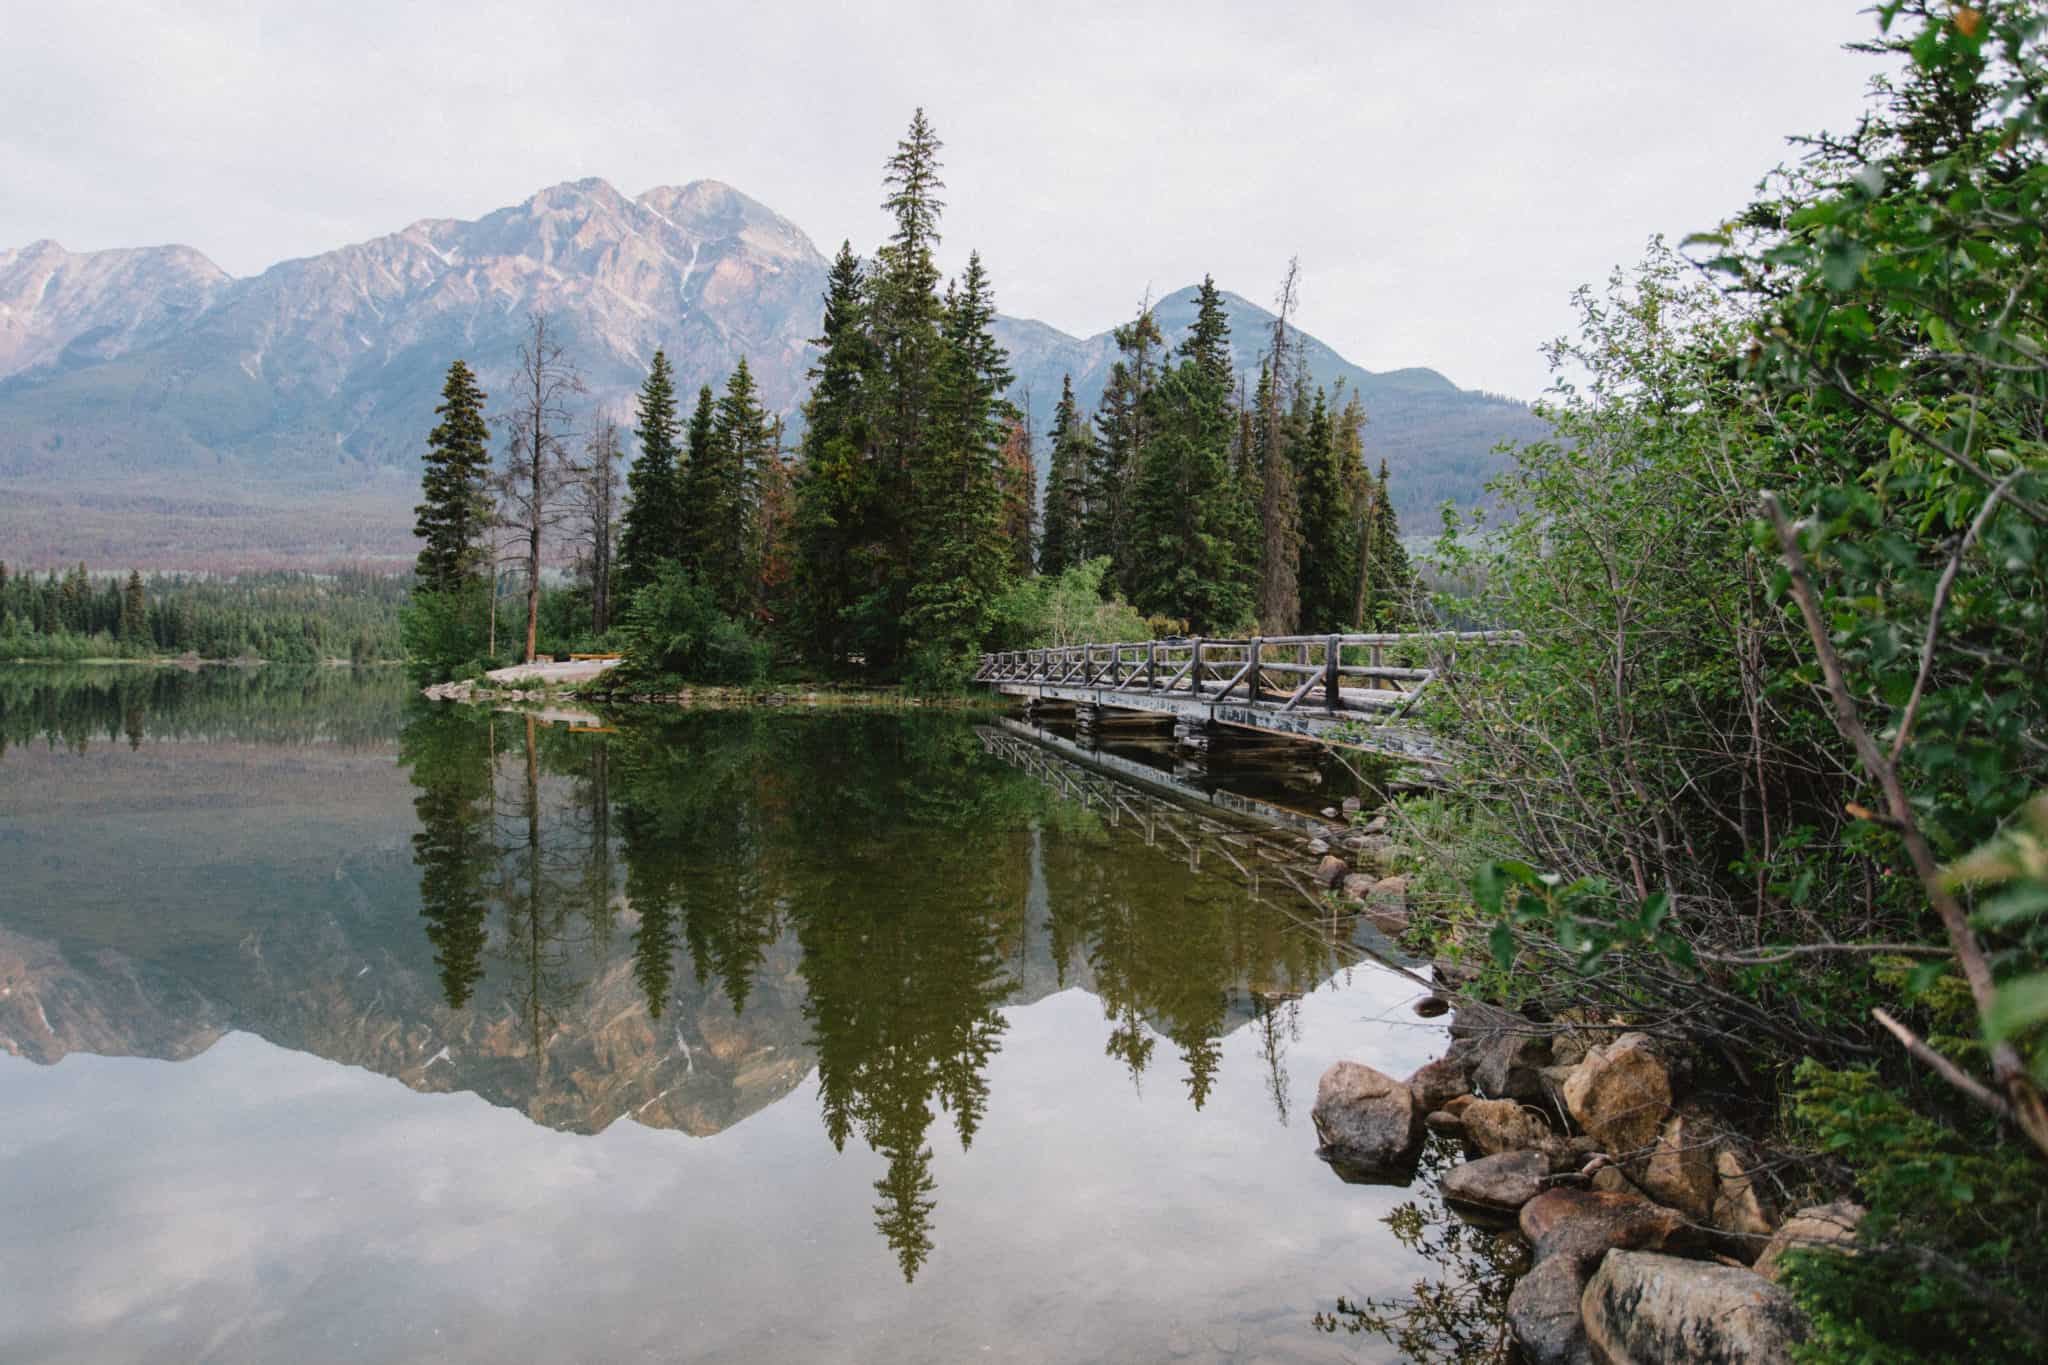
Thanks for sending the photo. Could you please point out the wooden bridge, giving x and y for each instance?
(1348, 689)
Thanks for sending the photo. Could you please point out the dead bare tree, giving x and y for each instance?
(597, 479)
(537, 468)
(1279, 586)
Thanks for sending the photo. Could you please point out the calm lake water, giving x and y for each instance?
(335, 1026)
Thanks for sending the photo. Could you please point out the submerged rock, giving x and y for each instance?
(1366, 1119)
(1498, 1184)
(1644, 1309)
(1620, 1094)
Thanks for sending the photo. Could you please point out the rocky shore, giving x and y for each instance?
(1653, 1236)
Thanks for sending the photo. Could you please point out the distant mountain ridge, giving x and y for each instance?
(156, 411)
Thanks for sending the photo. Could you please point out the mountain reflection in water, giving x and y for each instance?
(334, 1025)
(883, 877)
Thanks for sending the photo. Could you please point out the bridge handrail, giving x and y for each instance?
(1230, 669)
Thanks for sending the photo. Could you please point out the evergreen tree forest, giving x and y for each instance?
(904, 531)
(279, 617)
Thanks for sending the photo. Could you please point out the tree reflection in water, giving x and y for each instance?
(916, 881)
(1461, 1315)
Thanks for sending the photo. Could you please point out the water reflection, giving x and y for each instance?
(678, 918)
(1458, 1314)
(896, 867)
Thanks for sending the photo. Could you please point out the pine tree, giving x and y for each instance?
(454, 514)
(691, 525)
(956, 486)
(1208, 340)
(773, 555)
(834, 487)
(1187, 521)
(134, 627)
(905, 317)
(1060, 544)
(1121, 421)
(718, 488)
(1329, 524)
(1020, 496)
(1392, 578)
(649, 533)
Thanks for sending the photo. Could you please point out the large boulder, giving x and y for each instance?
(1543, 1313)
(1827, 1226)
(1620, 1094)
(1583, 1225)
(1498, 1184)
(1439, 1082)
(1680, 1169)
(1644, 1309)
(1493, 1126)
(1366, 1120)
(1509, 1065)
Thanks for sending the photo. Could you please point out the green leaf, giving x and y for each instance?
(2026, 901)
(1489, 888)
(1924, 976)
(1841, 264)
(1502, 941)
(2017, 1004)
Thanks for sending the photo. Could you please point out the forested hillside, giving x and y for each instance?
(156, 412)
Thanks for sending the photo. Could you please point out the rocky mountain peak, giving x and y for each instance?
(93, 304)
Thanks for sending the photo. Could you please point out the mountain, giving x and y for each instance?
(1437, 439)
(155, 411)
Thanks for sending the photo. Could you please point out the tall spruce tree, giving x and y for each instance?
(905, 319)
(834, 484)
(718, 493)
(134, 627)
(956, 484)
(1060, 545)
(1187, 532)
(454, 514)
(1329, 524)
(1390, 578)
(1020, 495)
(649, 532)
(1121, 420)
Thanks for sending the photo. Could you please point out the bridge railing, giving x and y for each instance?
(1326, 673)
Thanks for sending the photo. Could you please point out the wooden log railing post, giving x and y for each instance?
(1151, 665)
(1195, 670)
(1252, 652)
(1333, 654)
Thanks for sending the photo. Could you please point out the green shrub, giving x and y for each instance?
(673, 630)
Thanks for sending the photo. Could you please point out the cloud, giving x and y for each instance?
(1447, 173)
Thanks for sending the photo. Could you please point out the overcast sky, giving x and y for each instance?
(1447, 172)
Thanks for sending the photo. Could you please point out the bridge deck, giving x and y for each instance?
(1349, 689)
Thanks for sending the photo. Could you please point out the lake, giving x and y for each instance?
(339, 1026)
